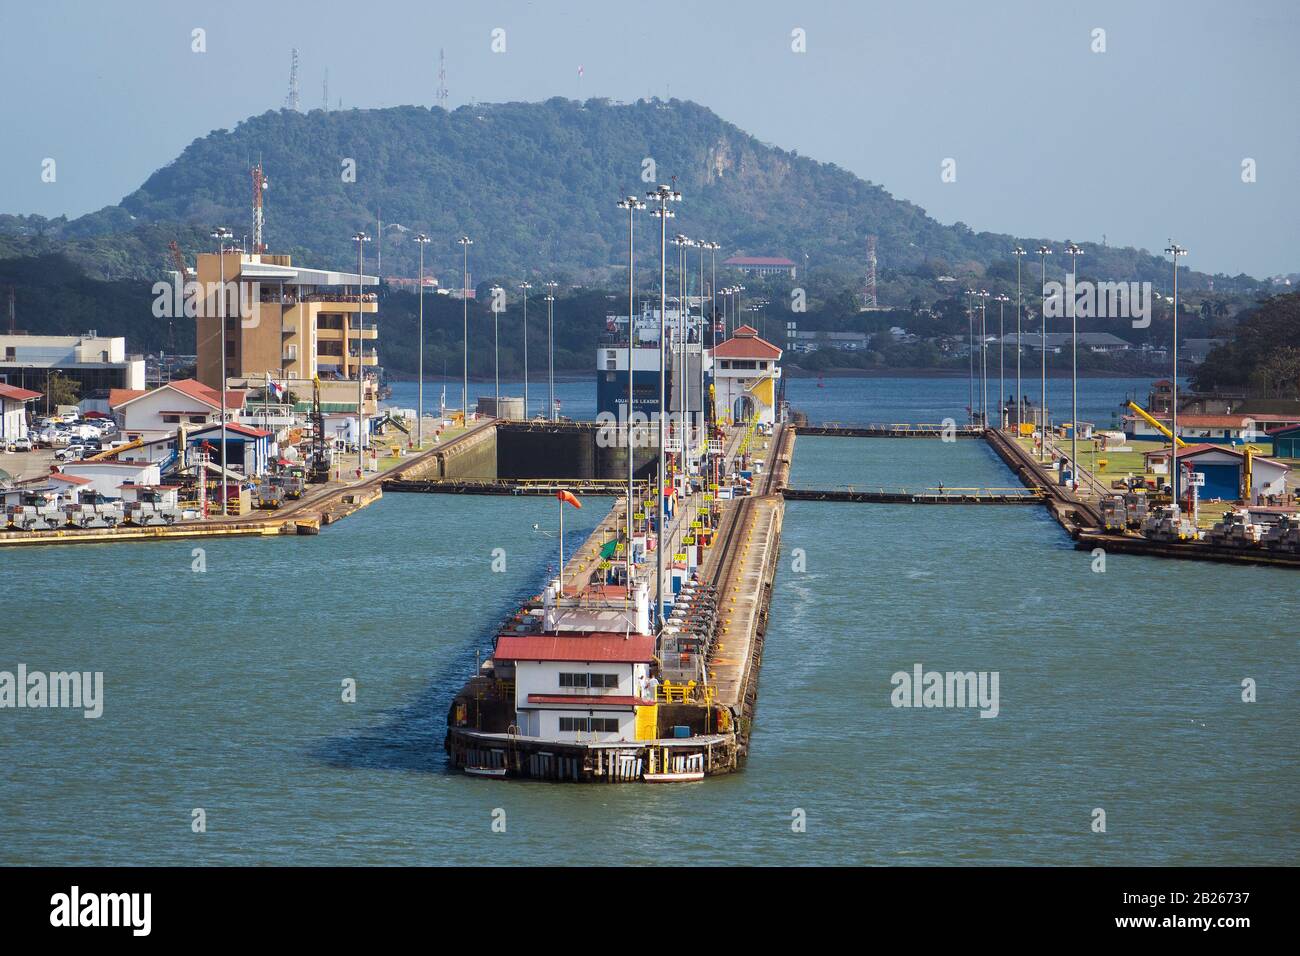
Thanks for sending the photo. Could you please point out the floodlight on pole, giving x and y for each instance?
(423, 241)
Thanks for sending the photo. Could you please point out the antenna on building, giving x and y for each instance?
(260, 185)
(442, 79)
(325, 91)
(291, 101)
(869, 293)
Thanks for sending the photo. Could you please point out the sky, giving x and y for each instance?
(1132, 136)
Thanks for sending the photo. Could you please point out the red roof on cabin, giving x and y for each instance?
(70, 479)
(595, 646)
(190, 387)
(745, 343)
(235, 427)
(120, 396)
(593, 701)
(16, 394)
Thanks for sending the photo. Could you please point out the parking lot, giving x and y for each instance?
(27, 464)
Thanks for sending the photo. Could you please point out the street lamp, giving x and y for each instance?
(682, 243)
(984, 359)
(360, 239)
(1019, 253)
(423, 240)
(1174, 251)
(633, 206)
(1074, 253)
(663, 195)
(1001, 299)
(550, 346)
(221, 234)
(498, 298)
(524, 287)
(970, 362)
(1043, 253)
(465, 242)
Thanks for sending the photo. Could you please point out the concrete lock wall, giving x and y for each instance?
(569, 450)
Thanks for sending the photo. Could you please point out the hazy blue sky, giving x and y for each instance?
(1139, 143)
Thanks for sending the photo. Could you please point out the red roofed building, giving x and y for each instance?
(160, 411)
(746, 370)
(580, 687)
(762, 265)
(13, 411)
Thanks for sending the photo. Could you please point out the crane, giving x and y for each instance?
(1156, 424)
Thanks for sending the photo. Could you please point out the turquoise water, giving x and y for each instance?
(1118, 690)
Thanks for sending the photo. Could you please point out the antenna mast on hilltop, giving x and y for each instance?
(325, 92)
(292, 101)
(442, 79)
(869, 293)
(259, 186)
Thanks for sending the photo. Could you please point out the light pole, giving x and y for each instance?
(970, 373)
(221, 234)
(1043, 253)
(1001, 299)
(984, 359)
(1174, 251)
(423, 240)
(632, 205)
(682, 243)
(360, 239)
(550, 347)
(663, 196)
(1074, 251)
(524, 287)
(704, 245)
(498, 296)
(465, 242)
(1019, 253)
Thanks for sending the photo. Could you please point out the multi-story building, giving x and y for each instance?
(294, 324)
(96, 363)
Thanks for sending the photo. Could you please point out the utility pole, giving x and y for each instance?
(1019, 253)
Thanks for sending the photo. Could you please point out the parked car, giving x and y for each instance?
(70, 453)
(21, 444)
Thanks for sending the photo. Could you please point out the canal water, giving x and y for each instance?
(1118, 691)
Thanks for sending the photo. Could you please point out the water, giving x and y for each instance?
(1118, 690)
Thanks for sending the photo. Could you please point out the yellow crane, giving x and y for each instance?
(1156, 424)
(114, 452)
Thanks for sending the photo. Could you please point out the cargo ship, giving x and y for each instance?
(686, 328)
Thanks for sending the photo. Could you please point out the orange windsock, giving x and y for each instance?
(570, 497)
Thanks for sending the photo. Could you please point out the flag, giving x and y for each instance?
(275, 388)
(579, 70)
(569, 497)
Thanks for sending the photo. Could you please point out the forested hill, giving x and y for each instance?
(535, 186)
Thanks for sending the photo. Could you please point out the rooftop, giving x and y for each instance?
(594, 646)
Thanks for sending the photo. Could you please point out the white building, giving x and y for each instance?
(157, 413)
(13, 411)
(590, 687)
(746, 369)
(96, 362)
(108, 477)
